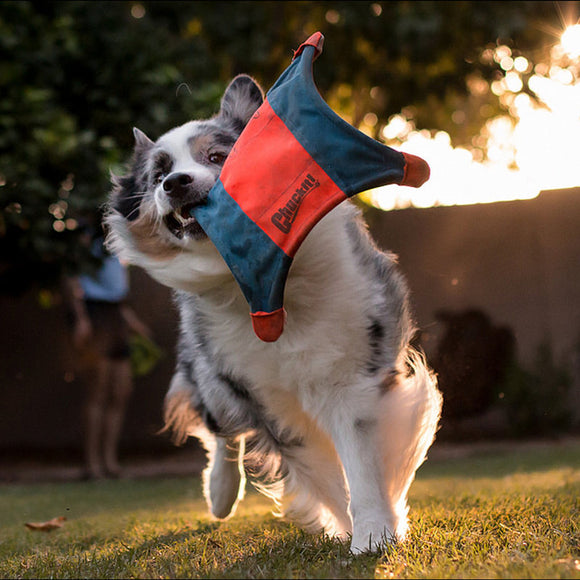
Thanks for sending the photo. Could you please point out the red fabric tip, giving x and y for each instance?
(268, 326)
(417, 171)
(316, 40)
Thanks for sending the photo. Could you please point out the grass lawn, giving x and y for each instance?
(507, 513)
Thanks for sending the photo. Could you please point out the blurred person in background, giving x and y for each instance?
(101, 326)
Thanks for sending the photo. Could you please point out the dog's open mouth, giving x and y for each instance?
(180, 223)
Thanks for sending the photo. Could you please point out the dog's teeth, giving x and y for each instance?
(180, 218)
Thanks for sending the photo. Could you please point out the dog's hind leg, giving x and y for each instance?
(409, 420)
(224, 476)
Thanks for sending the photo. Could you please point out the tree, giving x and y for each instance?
(77, 76)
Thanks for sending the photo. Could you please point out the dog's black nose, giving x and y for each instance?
(176, 184)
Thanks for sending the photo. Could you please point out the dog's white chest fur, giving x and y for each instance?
(325, 299)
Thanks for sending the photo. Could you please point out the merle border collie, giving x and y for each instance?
(333, 419)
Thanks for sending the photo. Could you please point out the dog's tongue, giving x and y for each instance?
(294, 162)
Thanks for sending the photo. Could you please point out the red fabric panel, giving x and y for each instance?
(276, 182)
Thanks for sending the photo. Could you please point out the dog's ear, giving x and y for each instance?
(142, 142)
(125, 197)
(241, 100)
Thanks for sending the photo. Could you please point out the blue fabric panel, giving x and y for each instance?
(354, 161)
(258, 264)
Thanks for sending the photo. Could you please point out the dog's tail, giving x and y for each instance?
(412, 409)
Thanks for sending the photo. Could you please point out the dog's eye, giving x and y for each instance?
(217, 158)
(158, 177)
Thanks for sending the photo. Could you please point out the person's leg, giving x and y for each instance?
(94, 407)
(120, 387)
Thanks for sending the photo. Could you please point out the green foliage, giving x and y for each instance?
(145, 354)
(77, 76)
(497, 513)
(536, 399)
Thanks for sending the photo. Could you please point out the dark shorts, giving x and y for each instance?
(110, 330)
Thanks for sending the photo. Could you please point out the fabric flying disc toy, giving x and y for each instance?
(295, 161)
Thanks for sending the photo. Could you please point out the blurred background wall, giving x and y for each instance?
(516, 262)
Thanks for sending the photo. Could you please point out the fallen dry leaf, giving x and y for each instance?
(46, 526)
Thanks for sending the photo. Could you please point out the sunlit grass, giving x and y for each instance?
(508, 515)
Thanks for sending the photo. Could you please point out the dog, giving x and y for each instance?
(333, 419)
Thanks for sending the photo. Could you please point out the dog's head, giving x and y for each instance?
(148, 214)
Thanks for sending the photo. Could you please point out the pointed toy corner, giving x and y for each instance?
(268, 326)
(417, 171)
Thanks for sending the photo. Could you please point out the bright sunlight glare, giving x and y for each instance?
(571, 41)
(536, 148)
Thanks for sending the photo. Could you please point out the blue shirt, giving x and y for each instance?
(110, 283)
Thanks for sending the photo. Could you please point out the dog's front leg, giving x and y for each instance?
(356, 441)
(227, 480)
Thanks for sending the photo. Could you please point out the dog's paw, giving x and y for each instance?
(364, 542)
